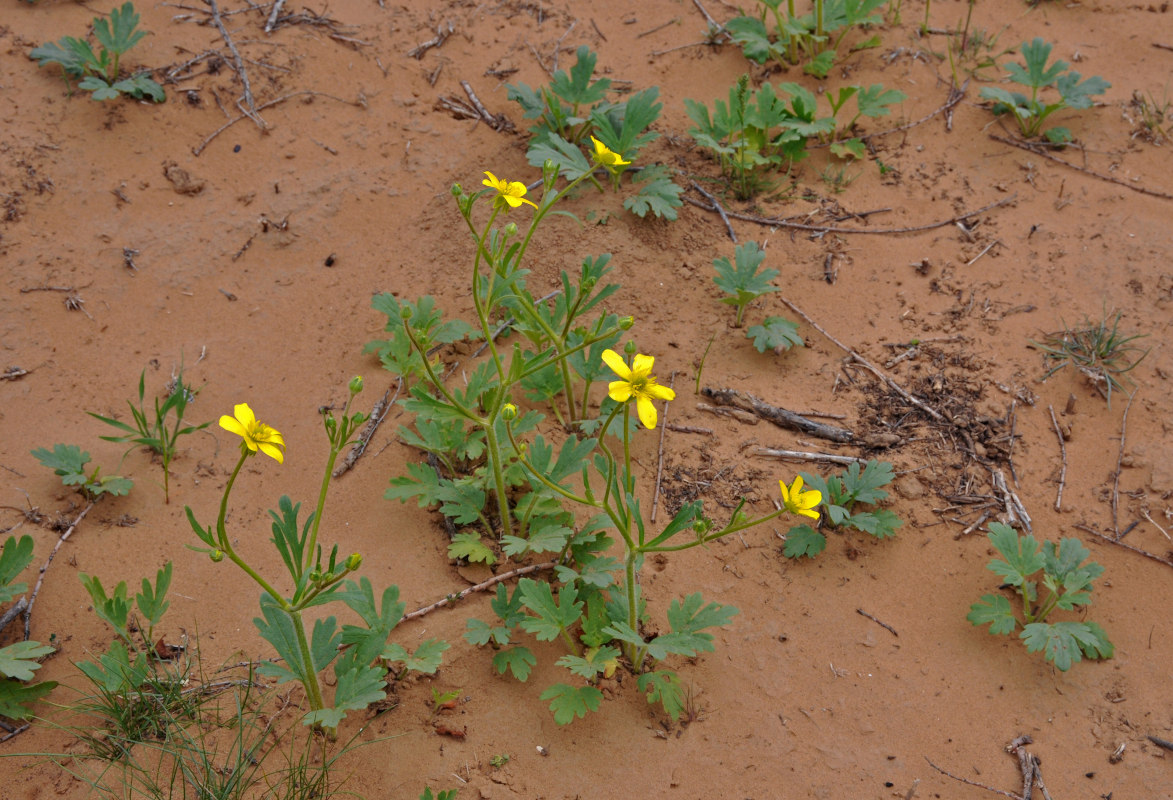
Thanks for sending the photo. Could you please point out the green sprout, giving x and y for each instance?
(98, 71)
(1096, 349)
(1031, 112)
(1067, 582)
(161, 434)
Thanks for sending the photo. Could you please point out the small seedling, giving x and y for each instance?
(775, 333)
(69, 461)
(742, 281)
(442, 701)
(1096, 349)
(160, 435)
(98, 72)
(836, 177)
(756, 132)
(1030, 112)
(444, 794)
(779, 33)
(1067, 581)
(499, 760)
(840, 494)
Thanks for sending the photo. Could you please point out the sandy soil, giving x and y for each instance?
(256, 252)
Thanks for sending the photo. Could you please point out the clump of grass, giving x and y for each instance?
(1153, 115)
(1097, 349)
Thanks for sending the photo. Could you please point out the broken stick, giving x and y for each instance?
(779, 416)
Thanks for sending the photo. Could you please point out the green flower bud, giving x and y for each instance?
(629, 348)
(355, 384)
(509, 412)
(217, 556)
(625, 323)
(316, 576)
(405, 312)
(588, 284)
(354, 562)
(457, 191)
(510, 230)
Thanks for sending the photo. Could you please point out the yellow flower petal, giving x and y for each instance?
(245, 414)
(231, 425)
(619, 391)
(617, 365)
(647, 411)
(641, 365)
(660, 392)
(272, 451)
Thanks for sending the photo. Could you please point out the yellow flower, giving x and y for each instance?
(796, 501)
(609, 666)
(636, 381)
(511, 192)
(607, 157)
(256, 435)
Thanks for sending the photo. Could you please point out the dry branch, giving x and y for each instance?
(801, 226)
(1040, 151)
(779, 416)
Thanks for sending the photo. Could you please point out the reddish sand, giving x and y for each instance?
(255, 272)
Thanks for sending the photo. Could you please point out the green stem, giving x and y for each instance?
(310, 677)
(226, 545)
(712, 537)
(498, 477)
(632, 610)
(335, 448)
(464, 412)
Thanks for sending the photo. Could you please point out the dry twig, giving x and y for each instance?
(28, 612)
(799, 455)
(779, 416)
(1040, 151)
(718, 208)
(1119, 464)
(1063, 454)
(1117, 542)
(378, 414)
(251, 105)
(480, 587)
(782, 223)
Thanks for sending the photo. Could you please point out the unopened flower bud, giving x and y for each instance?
(217, 556)
(629, 348)
(316, 576)
(509, 412)
(510, 230)
(354, 562)
(355, 385)
(625, 323)
(457, 191)
(405, 312)
(588, 284)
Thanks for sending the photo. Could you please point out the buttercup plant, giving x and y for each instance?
(598, 617)
(595, 607)
(1032, 112)
(839, 495)
(782, 34)
(459, 426)
(573, 109)
(361, 669)
(98, 72)
(1067, 581)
